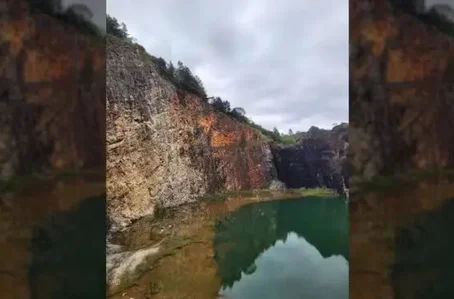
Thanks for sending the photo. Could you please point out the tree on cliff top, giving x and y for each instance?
(201, 87)
(435, 15)
(240, 114)
(77, 15)
(161, 65)
(114, 28)
(186, 79)
(238, 111)
(50, 7)
(219, 104)
(171, 70)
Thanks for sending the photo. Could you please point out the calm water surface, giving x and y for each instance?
(52, 240)
(244, 248)
(401, 243)
(294, 248)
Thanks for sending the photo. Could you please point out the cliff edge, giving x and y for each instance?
(167, 146)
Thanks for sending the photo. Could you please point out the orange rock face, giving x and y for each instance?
(240, 152)
(53, 95)
(167, 147)
(402, 101)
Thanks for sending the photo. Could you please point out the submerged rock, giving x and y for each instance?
(277, 185)
(121, 267)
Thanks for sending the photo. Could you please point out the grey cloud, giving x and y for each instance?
(285, 62)
(430, 3)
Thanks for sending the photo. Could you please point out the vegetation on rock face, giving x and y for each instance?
(270, 193)
(76, 15)
(116, 29)
(431, 16)
(184, 78)
(180, 75)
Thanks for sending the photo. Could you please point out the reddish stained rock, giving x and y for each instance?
(51, 116)
(402, 101)
(167, 146)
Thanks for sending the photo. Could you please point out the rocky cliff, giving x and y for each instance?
(52, 95)
(402, 92)
(318, 160)
(166, 146)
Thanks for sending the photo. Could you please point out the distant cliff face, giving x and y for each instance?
(318, 160)
(52, 95)
(402, 92)
(166, 147)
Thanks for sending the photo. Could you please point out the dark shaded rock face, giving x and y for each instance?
(319, 160)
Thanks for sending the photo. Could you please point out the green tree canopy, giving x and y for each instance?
(114, 28)
(219, 104)
(189, 81)
(76, 15)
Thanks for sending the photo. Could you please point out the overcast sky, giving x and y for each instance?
(429, 3)
(285, 62)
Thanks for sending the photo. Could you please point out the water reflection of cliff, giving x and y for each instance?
(68, 253)
(424, 255)
(246, 233)
(52, 240)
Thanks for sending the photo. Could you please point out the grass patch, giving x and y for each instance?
(18, 183)
(318, 192)
(380, 183)
(213, 197)
(15, 183)
(387, 183)
(222, 196)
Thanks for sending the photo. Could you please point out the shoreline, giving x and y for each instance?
(237, 198)
(174, 229)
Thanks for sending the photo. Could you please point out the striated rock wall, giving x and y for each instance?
(318, 160)
(402, 92)
(52, 95)
(166, 147)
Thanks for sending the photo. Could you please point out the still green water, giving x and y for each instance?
(294, 248)
(52, 239)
